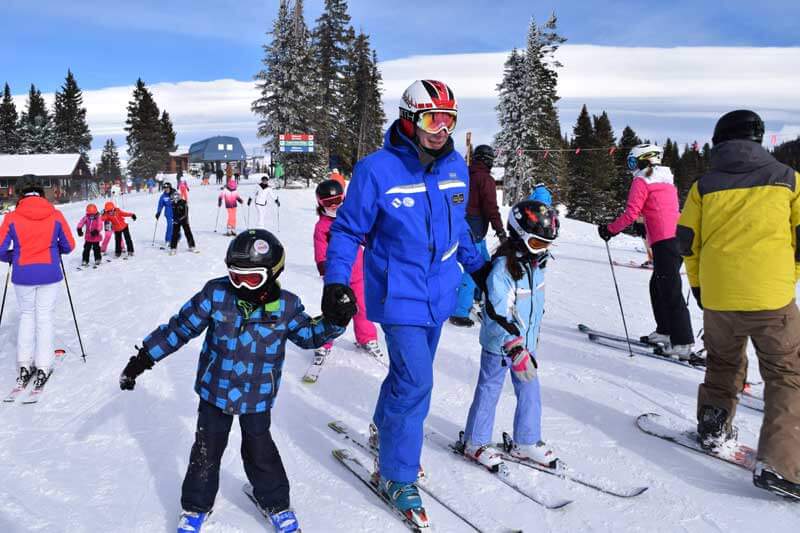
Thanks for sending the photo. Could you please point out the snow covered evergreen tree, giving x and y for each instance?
(71, 130)
(288, 101)
(510, 116)
(582, 193)
(9, 134)
(109, 167)
(787, 153)
(36, 126)
(604, 171)
(168, 132)
(147, 150)
(622, 181)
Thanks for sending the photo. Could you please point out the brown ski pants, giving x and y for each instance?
(776, 337)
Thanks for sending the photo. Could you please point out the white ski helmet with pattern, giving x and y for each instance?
(644, 155)
(424, 96)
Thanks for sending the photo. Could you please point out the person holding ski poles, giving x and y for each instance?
(513, 310)
(94, 225)
(248, 319)
(481, 211)
(165, 204)
(739, 235)
(32, 239)
(116, 217)
(180, 210)
(654, 195)
(231, 198)
(263, 196)
(407, 203)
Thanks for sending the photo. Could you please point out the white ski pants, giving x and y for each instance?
(263, 211)
(37, 305)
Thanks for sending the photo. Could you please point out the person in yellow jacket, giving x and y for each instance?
(739, 234)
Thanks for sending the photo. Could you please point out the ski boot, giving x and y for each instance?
(98, 262)
(41, 378)
(538, 453)
(656, 339)
(320, 354)
(173, 251)
(713, 427)
(485, 456)
(84, 264)
(683, 352)
(130, 255)
(25, 376)
(284, 521)
(405, 497)
(462, 322)
(191, 522)
(764, 477)
(373, 348)
(194, 250)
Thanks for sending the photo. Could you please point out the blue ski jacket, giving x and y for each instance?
(411, 218)
(521, 302)
(166, 204)
(241, 360)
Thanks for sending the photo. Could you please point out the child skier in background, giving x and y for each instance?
(116, 217)
(231, 198)
(514, 306)
(330, 196)
(107, 234)
(165, 204)
(264, 195)
(183, 187)
(91, 221)
(180, 212)
(247, 318)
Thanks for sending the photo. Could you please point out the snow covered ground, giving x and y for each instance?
(91, 458)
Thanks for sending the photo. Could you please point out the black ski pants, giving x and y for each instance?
(176, 233)
(89, 247)
(118, 235)
(666, 293)
(262, 462)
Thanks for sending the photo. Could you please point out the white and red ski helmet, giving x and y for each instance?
(423, 96)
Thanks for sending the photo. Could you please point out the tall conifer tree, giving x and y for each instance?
(69, 121)
(36, 126)
(147, 150)
(109, 167)
(604, 171)
(9, 134)
(582, 191)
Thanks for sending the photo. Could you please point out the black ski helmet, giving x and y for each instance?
(175, 197)
(533, 223)
(29, 185)
(329, 189)
(485, 154)
(256, 248)
(739, 124)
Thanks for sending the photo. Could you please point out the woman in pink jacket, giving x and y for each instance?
(92, 225)
(231, 198)
(330, 196)
(654, 196)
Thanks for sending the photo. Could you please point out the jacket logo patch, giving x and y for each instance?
(408, 201)
(397, 203)
(458, 198)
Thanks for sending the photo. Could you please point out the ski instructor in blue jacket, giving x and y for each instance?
(406, 204)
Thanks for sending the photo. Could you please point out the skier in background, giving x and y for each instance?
(513, 311)
(481, 211)
(248, 319)
(183, 186)
(739, 234)
(654, 195)
(231, 198)
(116, 217)
(263, 196)
(94, 225)
(165, 204)
(32, 238)
(180, 210)
(408, 201)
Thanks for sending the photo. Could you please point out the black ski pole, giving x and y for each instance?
(74, 318)
(5, 291)
(619, 299)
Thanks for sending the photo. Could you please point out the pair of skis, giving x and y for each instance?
(34, 394)
(315, 369)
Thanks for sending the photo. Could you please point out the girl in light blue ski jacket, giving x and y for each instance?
(513, 310)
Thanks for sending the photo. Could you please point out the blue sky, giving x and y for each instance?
(109, 42)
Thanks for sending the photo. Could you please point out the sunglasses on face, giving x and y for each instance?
(436, 121)
(251, 278)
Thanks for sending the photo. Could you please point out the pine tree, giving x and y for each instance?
(168, 133)
(622, 183)
(787, 153)
(510, 116)
(331, 40)
(109, 167)
(36, 126)
(9, 135)
(582, 192)
(71, 130)
(147, 151)
(288, 103)
(604, 171)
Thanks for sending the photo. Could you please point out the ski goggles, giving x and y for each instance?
(436, 121)
(250, 278)
(332, 201)
(536, 246)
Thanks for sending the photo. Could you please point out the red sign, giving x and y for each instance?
(295, 137)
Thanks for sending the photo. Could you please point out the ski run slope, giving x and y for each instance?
(91, 458)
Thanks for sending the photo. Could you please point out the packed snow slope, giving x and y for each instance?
(91, 458)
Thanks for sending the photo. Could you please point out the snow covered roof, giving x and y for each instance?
(38, 164)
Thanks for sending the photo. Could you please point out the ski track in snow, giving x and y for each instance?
(92, 458)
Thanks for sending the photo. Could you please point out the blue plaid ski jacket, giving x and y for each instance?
(240, 363)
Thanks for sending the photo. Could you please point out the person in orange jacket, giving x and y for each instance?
(116, 217)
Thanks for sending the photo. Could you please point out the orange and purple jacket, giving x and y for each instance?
(32, 237)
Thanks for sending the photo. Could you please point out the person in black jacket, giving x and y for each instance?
(180, 219)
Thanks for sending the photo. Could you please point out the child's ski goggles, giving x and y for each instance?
(251, 278)
(436, 121)
(332, 201)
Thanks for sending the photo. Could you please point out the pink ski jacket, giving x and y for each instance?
(656, 198)
(322, 234)
(92, 223)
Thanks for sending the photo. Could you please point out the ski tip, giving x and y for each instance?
(583, 327)
(337, 426)
(560, 504)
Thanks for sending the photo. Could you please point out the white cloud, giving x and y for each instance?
(677, 92)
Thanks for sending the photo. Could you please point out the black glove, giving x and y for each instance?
(277, 202)
(136, 365)
(696, 293)
(338, 303)
(501, 236)
(133, 216)
(480, 275)
(94, 233)
(219, 203)
(604, 233)
(80, 232)
(158, 215)
(249, 201)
